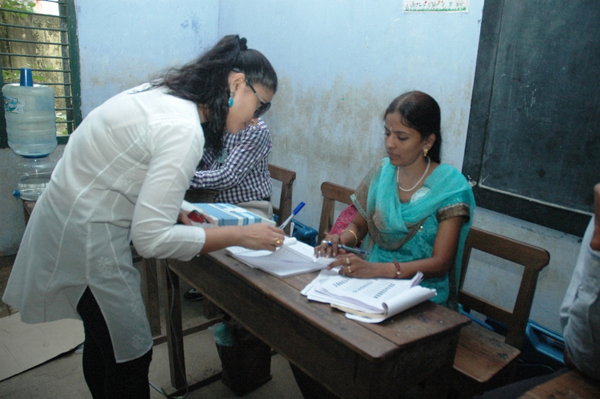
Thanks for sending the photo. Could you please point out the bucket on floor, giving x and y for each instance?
(246, 363)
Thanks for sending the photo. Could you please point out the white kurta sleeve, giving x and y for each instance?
(176, 148)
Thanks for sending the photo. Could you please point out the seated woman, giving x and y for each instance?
(414, 213)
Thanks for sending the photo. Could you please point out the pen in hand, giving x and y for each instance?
(349, 249)
(289, 219)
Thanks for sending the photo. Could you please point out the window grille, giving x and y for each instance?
(41, 35)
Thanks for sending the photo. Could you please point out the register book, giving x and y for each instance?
(292, 258)
(368, 300)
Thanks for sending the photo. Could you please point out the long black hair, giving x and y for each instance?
(205, 81)
(421, 112)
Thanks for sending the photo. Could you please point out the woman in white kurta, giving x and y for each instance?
(122, 178)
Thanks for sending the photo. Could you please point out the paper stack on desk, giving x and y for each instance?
(222, 214)
(292, 258)
(367, 300)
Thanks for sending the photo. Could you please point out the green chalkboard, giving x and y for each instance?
(533, 145)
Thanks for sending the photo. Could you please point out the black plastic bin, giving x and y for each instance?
(247, 364)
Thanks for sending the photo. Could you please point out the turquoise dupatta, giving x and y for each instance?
(406, 231)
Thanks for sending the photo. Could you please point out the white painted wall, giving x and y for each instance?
(340, 63)
(124, 43)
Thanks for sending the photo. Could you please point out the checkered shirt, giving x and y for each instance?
(241, 174)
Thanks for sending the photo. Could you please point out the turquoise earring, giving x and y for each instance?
(230, 103)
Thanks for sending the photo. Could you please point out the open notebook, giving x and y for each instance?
(292, 258)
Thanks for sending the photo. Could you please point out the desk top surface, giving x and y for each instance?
(572, 384)
(376, 342)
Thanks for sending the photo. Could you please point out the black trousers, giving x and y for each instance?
(104, 376)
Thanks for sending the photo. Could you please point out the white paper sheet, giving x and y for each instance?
(292, 258)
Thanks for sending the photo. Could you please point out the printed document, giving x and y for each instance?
(368, 300)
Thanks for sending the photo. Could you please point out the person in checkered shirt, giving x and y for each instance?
(240, 174)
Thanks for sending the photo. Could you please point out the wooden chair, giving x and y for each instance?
(286, 177)
(331, 193)
(484, 359)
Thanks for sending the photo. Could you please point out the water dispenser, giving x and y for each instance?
(31, 131)
(33, 175)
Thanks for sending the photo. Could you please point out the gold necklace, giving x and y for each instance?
(419, 182)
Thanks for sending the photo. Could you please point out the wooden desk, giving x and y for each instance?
(572, 384)
(353, 359)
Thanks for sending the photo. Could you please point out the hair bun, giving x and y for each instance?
(243, 45)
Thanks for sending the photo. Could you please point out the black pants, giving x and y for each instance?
(104, 376)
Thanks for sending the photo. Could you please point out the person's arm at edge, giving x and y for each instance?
(254, 236)
(580, 309)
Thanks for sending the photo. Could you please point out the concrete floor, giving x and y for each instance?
(62, 377)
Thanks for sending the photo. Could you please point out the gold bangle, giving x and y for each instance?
(354, 234)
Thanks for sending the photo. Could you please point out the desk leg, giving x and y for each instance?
(439, 386)
(174, 328)
(150, 293)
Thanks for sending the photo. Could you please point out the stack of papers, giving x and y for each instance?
(229, 215)
(292, 258)
(367, 300)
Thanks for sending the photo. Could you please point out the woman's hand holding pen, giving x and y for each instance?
(355, 266)
(324, 250)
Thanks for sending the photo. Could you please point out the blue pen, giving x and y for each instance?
(349, 249)
(289, 219)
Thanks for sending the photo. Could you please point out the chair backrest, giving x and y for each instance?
(286, 177)
(532, 258)
(331, 193)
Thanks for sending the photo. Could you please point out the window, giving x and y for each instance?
(41, 35)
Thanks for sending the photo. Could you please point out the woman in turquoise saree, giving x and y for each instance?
(414, 213)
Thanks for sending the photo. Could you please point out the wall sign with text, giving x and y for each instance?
(436, 5)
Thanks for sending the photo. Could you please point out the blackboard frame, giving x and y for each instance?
(564, 220)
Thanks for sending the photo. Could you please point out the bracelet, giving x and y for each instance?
(354, 234)
(398, 269)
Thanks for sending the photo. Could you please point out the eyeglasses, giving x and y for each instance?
(264, 105)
